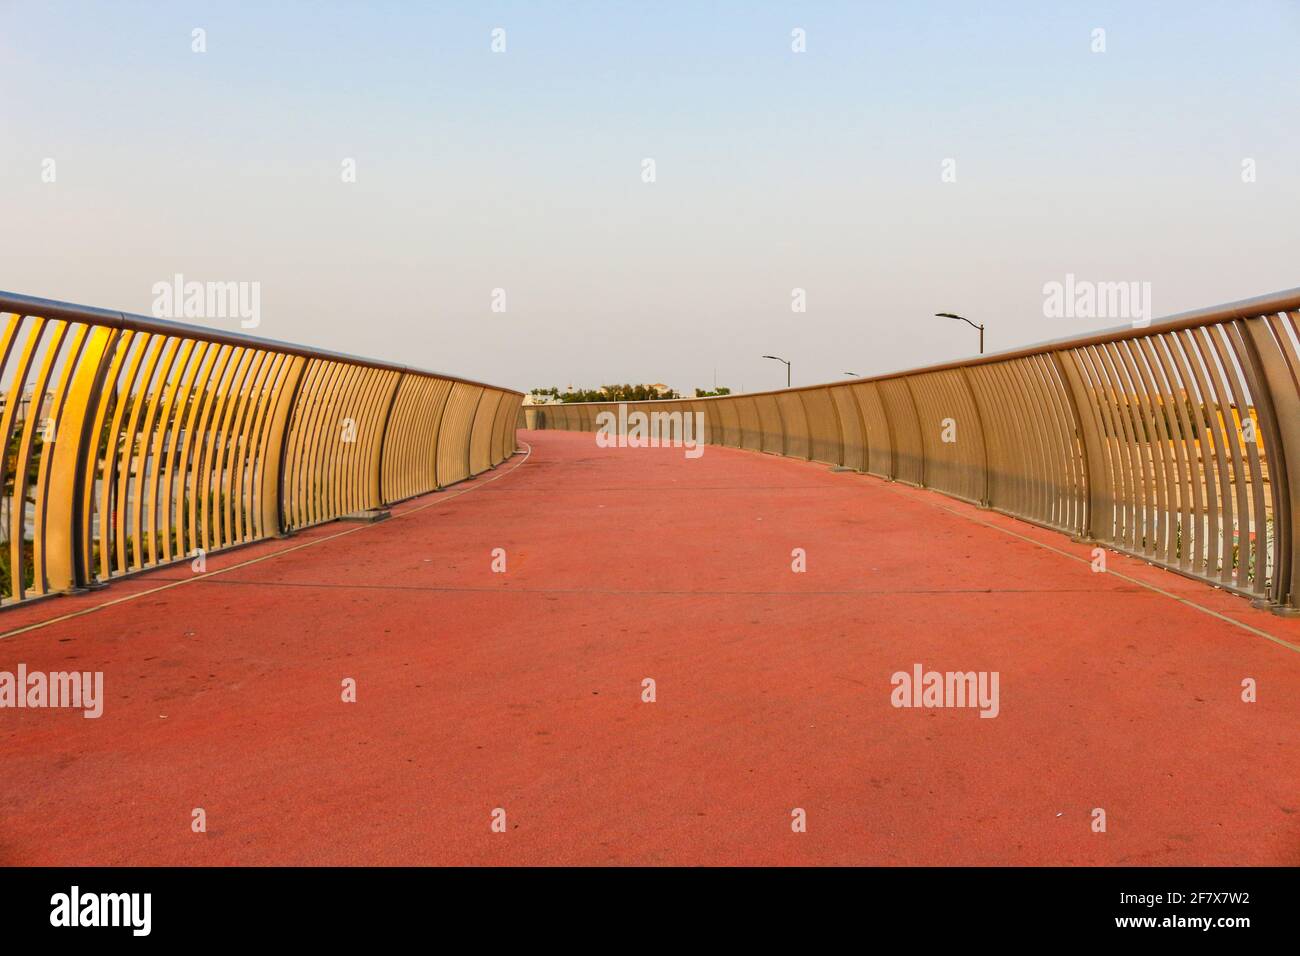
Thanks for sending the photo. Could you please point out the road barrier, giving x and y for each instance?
(1172, 441)
(133, 442)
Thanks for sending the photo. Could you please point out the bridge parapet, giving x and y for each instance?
(133, 442)
(1177, 442)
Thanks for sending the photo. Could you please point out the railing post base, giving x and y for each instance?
(368, 516)
(83, 588)
(1284, 610)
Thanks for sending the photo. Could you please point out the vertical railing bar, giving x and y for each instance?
(83, 479)
(40, 514)
(1252, 366)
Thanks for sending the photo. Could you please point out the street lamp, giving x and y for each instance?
(778, 358)
(949, 315)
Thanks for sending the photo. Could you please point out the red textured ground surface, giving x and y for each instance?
(523, 690)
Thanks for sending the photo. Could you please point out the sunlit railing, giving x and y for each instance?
(131, 442)
(1173, 441)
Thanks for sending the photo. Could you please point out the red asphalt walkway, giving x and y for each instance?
(522, 690)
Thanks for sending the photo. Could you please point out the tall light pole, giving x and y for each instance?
(950, 315)
(778, 358)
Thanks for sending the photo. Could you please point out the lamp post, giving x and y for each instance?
(950, 315)
(778, 358)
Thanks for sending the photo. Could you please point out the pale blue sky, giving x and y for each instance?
(775, 170)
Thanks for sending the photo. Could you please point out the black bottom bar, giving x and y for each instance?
(622, 908)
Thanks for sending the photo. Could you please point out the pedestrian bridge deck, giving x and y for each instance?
(522, 690)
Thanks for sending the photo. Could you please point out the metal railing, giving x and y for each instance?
(131, 442)
(1174, 441)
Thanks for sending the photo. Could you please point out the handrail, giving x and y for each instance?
(70, 312)
(1173, 441)
(1285, 301)
(153, 441)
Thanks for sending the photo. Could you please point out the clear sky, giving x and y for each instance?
(774, 170)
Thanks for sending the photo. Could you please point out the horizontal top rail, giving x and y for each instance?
(1286, 301)
(70, 312)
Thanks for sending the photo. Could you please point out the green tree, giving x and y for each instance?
(29, 497)
(609, 393)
